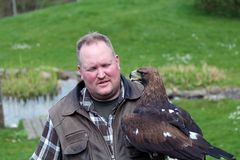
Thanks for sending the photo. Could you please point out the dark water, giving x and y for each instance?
(17, 109)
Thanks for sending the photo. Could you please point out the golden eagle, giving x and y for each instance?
(158, 126)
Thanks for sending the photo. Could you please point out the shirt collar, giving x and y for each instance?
(87, 103)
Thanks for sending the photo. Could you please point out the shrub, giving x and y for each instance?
(223, 7)
(190, 76)
(27, 5)
(5, 8)
(29, 83)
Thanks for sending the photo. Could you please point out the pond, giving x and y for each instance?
(16, 109)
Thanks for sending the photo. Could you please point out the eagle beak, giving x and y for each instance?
(135, 76)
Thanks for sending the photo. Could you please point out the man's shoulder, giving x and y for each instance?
(66, 105)
(133, 89)
(137, 85)
(59, 105)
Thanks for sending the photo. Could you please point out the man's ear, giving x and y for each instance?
(78, 67)
(79, 70)
(118, 61)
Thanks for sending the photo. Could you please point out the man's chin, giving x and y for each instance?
(105, 96)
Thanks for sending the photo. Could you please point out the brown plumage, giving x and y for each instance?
(157, 126)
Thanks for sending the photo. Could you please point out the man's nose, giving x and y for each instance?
(100, 73)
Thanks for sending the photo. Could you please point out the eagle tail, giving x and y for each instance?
(219, 153)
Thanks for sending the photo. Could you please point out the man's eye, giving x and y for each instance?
(91, 69)
(106, 65)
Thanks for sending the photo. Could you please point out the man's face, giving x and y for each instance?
(100, 71)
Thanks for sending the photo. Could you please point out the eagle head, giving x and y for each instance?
(143, 75)
(151, 80)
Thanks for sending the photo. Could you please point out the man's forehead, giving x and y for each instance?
(92, 45)
(93, 42)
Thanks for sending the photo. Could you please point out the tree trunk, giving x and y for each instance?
(1, 116)
(14, 7)
(1, 110)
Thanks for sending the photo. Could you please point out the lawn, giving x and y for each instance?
(219, 121)
(164, 32)
(15, 145)
(156, 33)
(212, 116)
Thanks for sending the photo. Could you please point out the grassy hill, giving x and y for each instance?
(144, 33)
(156, 33)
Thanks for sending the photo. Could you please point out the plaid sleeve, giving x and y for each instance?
(49, 147)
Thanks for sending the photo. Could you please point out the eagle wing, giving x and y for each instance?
(159, 132)
(187, 120)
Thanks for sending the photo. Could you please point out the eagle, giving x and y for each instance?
(158, 126)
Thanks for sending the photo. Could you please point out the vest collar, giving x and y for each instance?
(131, 91)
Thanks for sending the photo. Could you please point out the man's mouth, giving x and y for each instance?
(103, 83)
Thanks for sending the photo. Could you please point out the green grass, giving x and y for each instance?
(212, 117)
(155, 33)
(191, 77)
(15, 145)
(30, 83)
(42, 81)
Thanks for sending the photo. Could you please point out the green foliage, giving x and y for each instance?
(222, 7)
(27, 5)
(190, 76)
(15, 145)
(214, 118)
(29, 83)
(5, 8)
(164, 33)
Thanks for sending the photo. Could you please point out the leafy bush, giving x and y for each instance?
(223, 7)
(5, 8)
(29, 83)
(190, 76)
(27, 5)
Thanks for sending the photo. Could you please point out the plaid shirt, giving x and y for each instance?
(49, 146)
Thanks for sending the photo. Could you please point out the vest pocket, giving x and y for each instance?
(76, 142)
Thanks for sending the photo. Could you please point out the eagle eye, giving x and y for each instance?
(141, 73)
(144, 73)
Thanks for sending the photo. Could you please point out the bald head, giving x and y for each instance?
(91, 38)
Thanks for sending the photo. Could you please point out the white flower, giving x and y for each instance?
(21, 46)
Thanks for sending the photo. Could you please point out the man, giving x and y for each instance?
(86, 123)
